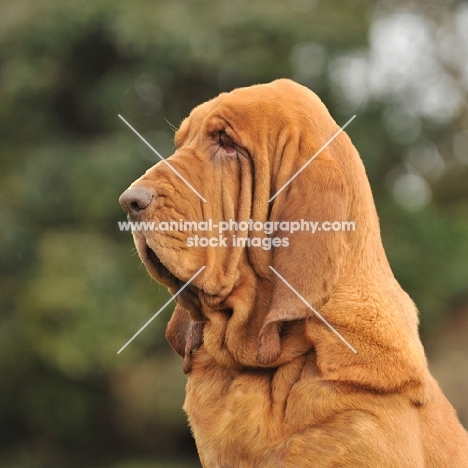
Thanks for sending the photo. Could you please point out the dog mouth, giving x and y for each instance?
(158, 270)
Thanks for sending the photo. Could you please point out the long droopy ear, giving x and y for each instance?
(311, 262)
(184, 335)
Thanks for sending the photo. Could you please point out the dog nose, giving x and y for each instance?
(135, 200)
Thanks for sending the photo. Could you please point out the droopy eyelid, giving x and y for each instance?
(225, 139)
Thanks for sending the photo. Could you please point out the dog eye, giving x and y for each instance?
(227, 143)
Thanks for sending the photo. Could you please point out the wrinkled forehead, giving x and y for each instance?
(252, 109)
(192, 124)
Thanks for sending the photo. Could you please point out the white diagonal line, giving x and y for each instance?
(314, 311)
(160, 310)
(162, 159)
(312, 158)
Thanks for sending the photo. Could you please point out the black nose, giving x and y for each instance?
(135, 200)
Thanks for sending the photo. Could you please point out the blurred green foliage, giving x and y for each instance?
(72, 288)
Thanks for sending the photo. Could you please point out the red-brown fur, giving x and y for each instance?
(269, 385)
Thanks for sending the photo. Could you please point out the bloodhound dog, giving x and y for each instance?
(301, 349)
